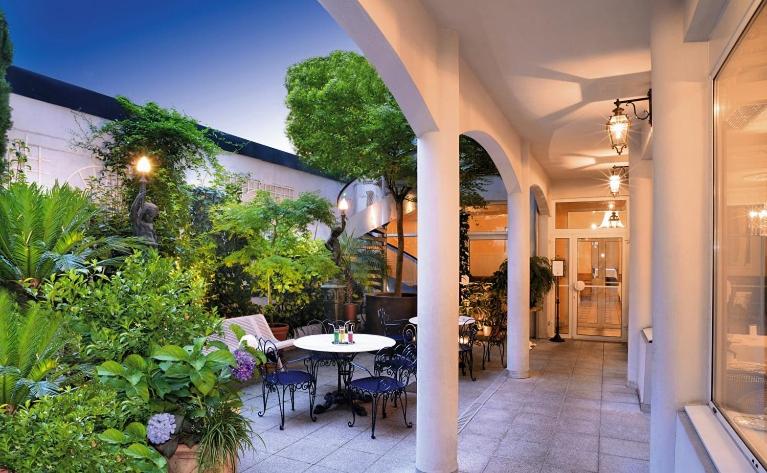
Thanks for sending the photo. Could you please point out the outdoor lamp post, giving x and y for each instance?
(142, 212)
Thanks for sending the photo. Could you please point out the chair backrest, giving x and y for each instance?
(409, 333)
(467, 333)
(273, 362)
(399, 363)
(314, 327)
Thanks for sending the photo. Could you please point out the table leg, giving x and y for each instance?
(341, 394)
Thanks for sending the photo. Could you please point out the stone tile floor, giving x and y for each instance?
(574, 414)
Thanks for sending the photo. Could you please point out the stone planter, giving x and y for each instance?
(185, 461)
(397, 307)
(280, 330)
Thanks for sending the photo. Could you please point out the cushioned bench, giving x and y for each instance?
(253, 325)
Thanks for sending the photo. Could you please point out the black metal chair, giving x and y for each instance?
(467, 338)
(497, 338)
(391, 329)
(409, 334)
(392, 369)
(277, 378)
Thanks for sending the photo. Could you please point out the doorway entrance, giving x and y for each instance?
(598, 287)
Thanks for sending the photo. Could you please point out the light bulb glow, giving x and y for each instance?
(343, 204)
(757, 221)
(615, 184)
(143, 165)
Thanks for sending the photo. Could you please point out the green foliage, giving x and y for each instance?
(541, 279)
(28, 344)
(47, 232)
(476, 166)
(15, 169)
(62, 434)
(132, 442)
(175, 144)
(151, 301)
(230, 286)
(6, 56)
(464, 267)
(359, 263)
(280, 253)
(194, 384)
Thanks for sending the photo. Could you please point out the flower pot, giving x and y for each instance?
(280, 330)
(185, 461)
(351, 310)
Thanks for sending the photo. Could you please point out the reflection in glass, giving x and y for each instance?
(740, 335)
(599, 300)
(562, 251)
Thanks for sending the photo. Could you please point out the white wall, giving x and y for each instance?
(50, 130)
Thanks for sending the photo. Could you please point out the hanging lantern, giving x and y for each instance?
(618, 129)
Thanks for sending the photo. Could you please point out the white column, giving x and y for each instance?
(438, 207)
(681, 244)
(518, 249)
(640, 253)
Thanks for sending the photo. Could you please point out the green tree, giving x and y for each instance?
(344, 120)
(6, 56)
(280, 252)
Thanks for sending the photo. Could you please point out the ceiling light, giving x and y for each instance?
(757, 221)
(611, 220)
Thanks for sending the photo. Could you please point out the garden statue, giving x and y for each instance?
(143, 213)
(333, 244)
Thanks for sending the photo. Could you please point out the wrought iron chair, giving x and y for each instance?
(277, 378)
(467, 338)
(409, 333)
(392, 330)
(392, 369)
(497, 338)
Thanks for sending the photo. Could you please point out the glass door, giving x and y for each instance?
(598, 287)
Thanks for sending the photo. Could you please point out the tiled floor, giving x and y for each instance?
(573, 415)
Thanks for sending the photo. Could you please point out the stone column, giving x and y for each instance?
(438, 234)
(682, 228)
(640, 252)
(518, 249)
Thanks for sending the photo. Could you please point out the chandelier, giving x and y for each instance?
(757, 221)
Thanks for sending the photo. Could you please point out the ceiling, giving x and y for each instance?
(555, 67)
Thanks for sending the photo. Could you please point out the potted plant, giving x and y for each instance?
(358, 263)
(191, 392)
(541, 280)
(280, 252)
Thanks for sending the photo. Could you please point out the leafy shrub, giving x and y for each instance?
(47, 231)
(28, 344)
(151, 301)
(61, 433)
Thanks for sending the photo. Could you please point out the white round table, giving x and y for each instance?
(342, 357)
(462, 319)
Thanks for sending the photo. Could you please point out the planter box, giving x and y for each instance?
(185, 461)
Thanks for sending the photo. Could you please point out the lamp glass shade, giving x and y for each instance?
(615, 183)
(618, 130)
(143, 165)
(343, 204)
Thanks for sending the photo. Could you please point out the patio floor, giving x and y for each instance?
(574, 414)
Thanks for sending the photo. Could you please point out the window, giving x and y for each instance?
(740, 246)
(588, 215)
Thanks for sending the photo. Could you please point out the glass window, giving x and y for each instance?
(588, 215)
(740, 331)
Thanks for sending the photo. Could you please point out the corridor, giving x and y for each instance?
(574, 414)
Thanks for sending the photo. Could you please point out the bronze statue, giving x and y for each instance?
(142, 215)
(333, 244)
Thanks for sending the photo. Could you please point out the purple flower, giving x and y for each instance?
(245, 366)
(160, 427)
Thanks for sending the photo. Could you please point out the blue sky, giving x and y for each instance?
(222, 62)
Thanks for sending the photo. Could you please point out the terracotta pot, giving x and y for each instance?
(185, 461)
(351, 310)
(3, 470)
(280, 330)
